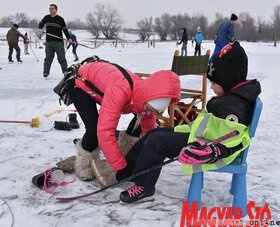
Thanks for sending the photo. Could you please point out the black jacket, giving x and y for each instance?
(237, 104)
(184, 38)
(54, 25)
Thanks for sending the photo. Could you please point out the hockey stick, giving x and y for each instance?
(55, 36)
(57, 111)
(35, 122)
(68, 199)
(34, 53)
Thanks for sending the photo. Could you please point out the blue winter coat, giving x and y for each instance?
(225, 33)
(199, 37)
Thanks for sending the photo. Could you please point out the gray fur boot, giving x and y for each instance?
(83, 160)
(126, 142)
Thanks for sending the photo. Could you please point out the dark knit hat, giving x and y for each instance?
(229, 67)
(15, 25)
(233, 17)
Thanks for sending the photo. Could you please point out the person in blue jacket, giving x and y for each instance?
(184, 42)
(225, 34)
(198, 40)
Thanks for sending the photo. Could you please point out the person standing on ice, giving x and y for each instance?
(12, 37)
(122, 94)
(55, 24)
(184, 42)
(198, 40)
(225, 34)
(229, 110)
(26, 43)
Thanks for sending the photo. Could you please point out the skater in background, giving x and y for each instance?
(229, 110)
(55, 24)
(225, 34)
(12, 37)
(198, 40)
(74, 45)
(184, 42)
(26, 43)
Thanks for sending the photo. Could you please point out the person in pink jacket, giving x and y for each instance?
(119, 95)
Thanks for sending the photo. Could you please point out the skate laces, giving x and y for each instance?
(135, 190)
(54, 178)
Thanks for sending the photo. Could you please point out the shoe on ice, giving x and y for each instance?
(103, 172)
(67, 165)
(76, 59)
(136, 193)
(45, 75)
(43, 179)
(73, 121)
(19, 60)
(11, 61)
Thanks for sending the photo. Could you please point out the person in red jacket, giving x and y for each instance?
(144, 97)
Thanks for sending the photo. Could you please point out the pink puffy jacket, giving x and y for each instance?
(120, 99)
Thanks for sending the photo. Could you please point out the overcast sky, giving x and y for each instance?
(132, 11)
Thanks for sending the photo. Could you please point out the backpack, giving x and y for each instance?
(67, 85)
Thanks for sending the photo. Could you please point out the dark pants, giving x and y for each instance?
(87, 110)
(197, 49)
(53, 47)
(151, 150)
(74, 48)
(13, 46)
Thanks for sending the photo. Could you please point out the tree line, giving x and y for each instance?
(105, 21)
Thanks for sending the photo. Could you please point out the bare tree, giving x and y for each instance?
(92, 25)
(76, 24)
(276, 23)
(22, 20)
(144, 28)
(198, 20)
(162, 26)
(178, 22)
(106, 20)
(247, 30)
(18, 18)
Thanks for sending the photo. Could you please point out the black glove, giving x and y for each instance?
(123, 173)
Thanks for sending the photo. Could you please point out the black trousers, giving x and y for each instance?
(74, 48)
(87, 110)
(151, 150)
(197, 49)
(13, 46)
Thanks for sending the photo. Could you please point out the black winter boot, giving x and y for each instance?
(137, 193)
(73, 121)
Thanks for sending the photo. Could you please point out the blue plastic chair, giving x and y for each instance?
(238, 168)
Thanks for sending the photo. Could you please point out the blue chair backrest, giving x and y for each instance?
(253, 126)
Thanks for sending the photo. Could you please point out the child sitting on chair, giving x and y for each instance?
(229, 110)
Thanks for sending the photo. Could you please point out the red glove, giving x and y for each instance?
(192, 154)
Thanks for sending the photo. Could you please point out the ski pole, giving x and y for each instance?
(34, 53)
(55, 36)
(35, 122)
(216, 141)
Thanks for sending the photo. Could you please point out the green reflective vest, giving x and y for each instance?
(207, 127)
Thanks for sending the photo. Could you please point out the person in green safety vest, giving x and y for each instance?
(231, 109)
